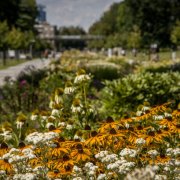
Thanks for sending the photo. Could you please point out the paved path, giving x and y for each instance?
(15, 70)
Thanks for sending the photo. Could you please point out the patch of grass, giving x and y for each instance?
(11, 62)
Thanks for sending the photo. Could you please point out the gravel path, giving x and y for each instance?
(15, 70)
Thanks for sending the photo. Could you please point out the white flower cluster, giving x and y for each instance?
(173, 152)
(101, 154)
(27, 176)
(102, 177)
(109, 158)
(128, 152)
(146, 173)
(14, 156)
(158, 117)
(140, 141)
(153, 153)
(160, 177)
(40, 138)
(90, 169)
(119, 165)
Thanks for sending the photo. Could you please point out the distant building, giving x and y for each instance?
(46, 32)
(41, 13)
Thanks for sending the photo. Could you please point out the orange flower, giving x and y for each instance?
(80, 153)
(168, 121)
(94, 139)
(4, 165)
(58, 150)
(3, 149)
(62, 163)
(108, 125)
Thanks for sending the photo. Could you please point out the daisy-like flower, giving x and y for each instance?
(80, 153)
(81, 77)
(94, 139)
(7, 135)
(3, 149)
(21, 119)
(34, 115)
(69, 89)
(76, 106)
(58, 95)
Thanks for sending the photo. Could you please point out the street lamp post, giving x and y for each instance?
(31, 48)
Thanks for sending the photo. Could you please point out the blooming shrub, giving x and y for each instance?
(64, 144)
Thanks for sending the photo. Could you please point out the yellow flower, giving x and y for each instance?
(81, 153)
(4, 165)
(58, 150)
(94, 139)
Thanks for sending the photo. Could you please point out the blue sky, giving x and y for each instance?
(75, 12)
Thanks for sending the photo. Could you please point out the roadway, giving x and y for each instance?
(14, 71)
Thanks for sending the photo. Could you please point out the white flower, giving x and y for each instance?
(101, 154)
(153, 153)
(81, 78)
(76, 169)
(127, 126)
(102, 177)
(27, 176)
(14, 151)
(76, 109)
(77, 178)
(140, 141)
(69, 127)
(110, 158)
(166, 168)
(2, 172)
(89, 164)
(7, 135)
(145, 108)
(158, 117)
(69, 90)
(176, 151)
(112, 166)
(55, 112)
(62, 124)
(49, 124)
(141, 174)
(19, 124)
(160, 177)
(139, 113)
(128, 152)
(34, 117)
(91, 173)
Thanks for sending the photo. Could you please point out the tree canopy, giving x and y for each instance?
(154, 19)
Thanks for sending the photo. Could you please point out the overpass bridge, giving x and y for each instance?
(72, 41)
(73, 37)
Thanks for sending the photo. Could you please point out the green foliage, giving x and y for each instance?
(123, 95)
(155, 20)
(102, 71)
(3, 34)
(26, 15)
(175, 34)
(134, 39)
(15, 39)
(71, 30)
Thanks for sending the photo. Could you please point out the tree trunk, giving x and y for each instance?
(4, 57)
